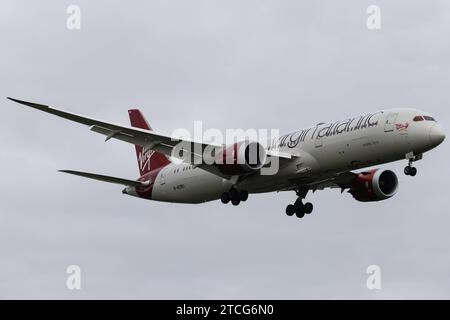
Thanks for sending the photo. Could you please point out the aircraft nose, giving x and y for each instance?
(437, 134)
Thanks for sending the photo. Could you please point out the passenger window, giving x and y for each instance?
(418, 118)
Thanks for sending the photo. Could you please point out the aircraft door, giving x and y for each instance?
(390, 122)
(319, 142)
(162, 177)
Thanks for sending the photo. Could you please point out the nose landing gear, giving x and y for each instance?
(298, 208)
(234, 196)
(409, 169)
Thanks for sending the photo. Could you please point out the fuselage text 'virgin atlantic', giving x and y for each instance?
(291, 140)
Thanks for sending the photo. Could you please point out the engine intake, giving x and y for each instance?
(241, 158)
(374, 185)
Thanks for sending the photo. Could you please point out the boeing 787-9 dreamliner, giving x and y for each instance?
(326, 155)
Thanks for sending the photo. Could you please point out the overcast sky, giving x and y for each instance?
(232, 64)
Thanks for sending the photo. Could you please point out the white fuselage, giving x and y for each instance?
(320, 151)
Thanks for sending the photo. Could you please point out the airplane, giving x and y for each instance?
(326, 155)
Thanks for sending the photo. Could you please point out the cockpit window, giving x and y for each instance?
(428, 118)
(421, 118)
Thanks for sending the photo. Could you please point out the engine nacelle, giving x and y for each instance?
(374, 185)
(241, 158)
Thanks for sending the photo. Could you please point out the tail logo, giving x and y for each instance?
(144, 160)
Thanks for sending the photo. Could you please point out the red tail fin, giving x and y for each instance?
(150, 160)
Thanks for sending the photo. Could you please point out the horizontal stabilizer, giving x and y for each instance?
(125, 182)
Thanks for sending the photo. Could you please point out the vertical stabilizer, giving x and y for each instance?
(151, 159)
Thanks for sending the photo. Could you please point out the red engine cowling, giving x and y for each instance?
(374, 185)
(241, 158)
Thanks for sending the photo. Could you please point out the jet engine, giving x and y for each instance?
(241, 158)
(374, 185)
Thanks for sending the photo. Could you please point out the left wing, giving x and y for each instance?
(149, 140)
(132, 135)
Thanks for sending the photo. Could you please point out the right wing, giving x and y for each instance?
(341, 180)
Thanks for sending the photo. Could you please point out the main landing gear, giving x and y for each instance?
(298, 208)
(409, 169)
(234, 196)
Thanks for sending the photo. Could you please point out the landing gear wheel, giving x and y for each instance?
(290, 210)
(410, 171)
(243, 195)
(298, 205)
(411, 157)
(225, 198)
(235, 201)
(407, 170)
(234, 194)
(308, 207)
(300, 213)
